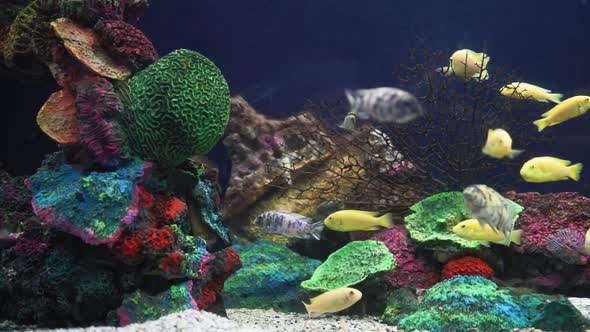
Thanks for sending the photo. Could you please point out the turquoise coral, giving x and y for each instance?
(269, 278)
(463, 302)
(434, 217)
(176, 108)
(351, 265)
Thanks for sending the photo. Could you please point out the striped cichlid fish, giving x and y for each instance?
(289, 224)
(383, 105)
(489, 207)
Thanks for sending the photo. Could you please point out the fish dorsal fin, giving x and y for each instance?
(561, 161)
(312, 300)
(295, 215)
(369, 213)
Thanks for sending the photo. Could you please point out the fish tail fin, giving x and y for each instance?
(386, 220)
(485, 59)
(350, 95)
(307, 308)
(515, 236)
(555, 97)
(541, 124)
(349, 121)
(514, 153)
(316, 230)
(575, 171)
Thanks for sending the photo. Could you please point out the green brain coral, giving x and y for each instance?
(434, 217)
(350, 265)
(176, 108)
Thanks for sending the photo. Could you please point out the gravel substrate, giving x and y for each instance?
(256, 320)
(271, 321)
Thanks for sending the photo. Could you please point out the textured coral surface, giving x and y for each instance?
(467, 266)
(178, 108)
(269, 278)
(350, 265)
(57, 118)
(434, 217)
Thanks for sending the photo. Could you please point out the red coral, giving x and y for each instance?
(168, 209)
(31, 248)
(226, 263)
(131, 247)
(146, 198)
(159, 238)
(126, 42)
(172, 263)
(412, 268)
(467, 266)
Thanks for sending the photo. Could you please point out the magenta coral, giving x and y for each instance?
(412, 269)
(127, 43)
(97, 104)
(545, 215)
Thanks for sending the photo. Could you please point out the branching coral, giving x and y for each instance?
(269, 278)
(351, 265)
(127, 43)
(176, 108)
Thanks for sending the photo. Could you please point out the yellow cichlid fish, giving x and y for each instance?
(333, 301)
(472, 229)
(566, 110)
(468, 65)
(548, 169)
(499, 145)
(586, 250)
(356, 220)
(521, 90)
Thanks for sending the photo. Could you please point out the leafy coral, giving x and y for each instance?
(269, 278)
(434, 217)
(176, 108)
(461, 303)
(93, 207)
(350, 265)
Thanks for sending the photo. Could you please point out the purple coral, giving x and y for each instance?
(97, 105)
(567, 244)
(412, 269)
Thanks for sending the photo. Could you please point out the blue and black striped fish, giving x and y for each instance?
(384, 105)
(289, 224)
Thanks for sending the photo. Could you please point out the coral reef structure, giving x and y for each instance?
(434, 217)
(351, 265)
(269, 278)
(467, 266)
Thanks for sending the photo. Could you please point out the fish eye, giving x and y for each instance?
(462, 226)
(351, 293)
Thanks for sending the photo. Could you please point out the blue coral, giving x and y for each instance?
(211, 215)
(93, 207)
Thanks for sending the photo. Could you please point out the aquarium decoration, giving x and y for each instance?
(269, 278)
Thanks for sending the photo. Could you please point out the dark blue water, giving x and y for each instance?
(281, 53)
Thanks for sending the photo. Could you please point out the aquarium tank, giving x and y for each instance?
(309, 165)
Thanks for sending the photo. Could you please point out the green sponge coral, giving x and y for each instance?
(350, 265)
(176, 108)
(434, 217)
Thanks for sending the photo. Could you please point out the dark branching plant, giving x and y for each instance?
(390, 166)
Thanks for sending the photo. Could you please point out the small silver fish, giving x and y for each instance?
(489, 207)
(289, 224)
(383, 105)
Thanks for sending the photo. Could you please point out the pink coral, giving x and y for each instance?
(412, 269)
(127, 43)
(545, 215)
(97, 104)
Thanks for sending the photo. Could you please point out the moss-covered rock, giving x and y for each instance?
(269, 278)
(433, 219)
(351, 265)
(176, 108)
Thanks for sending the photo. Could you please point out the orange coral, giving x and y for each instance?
(57, 118)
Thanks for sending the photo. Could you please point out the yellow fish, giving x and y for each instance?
(355, 220)
(521, 90)
(566, 110)
(499, 145)
(472, 229)
(586, 249)
(467, 64)
(548, 169)
(333, 301)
